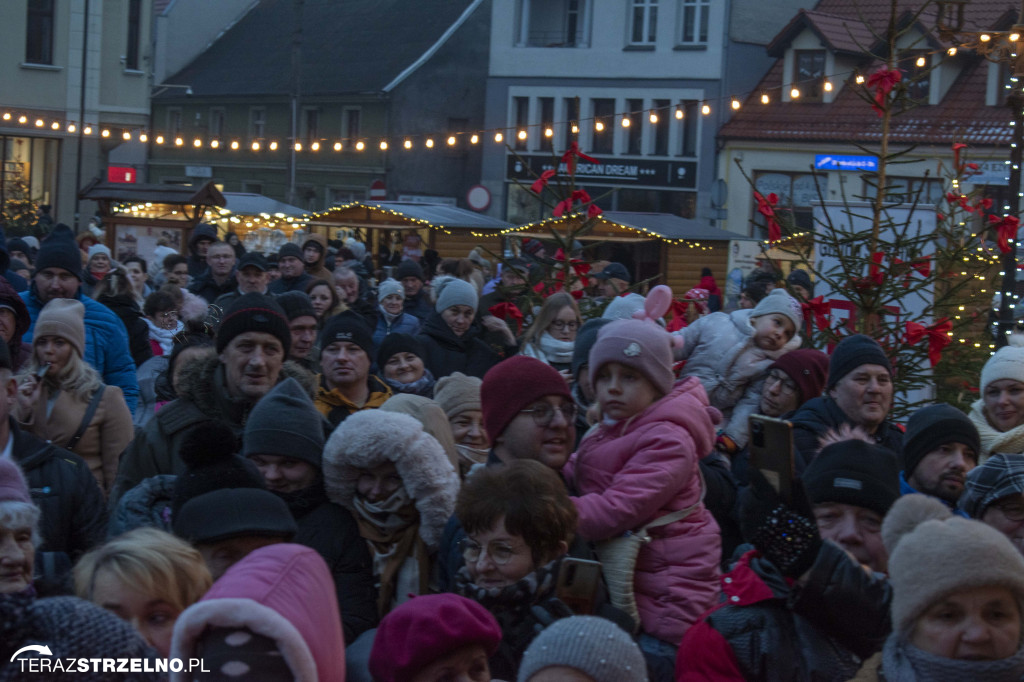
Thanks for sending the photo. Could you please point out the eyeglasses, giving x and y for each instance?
(499, 552)
(1014, 511)
(561, 325)
(543, 414)
(169, 315)
(788, 386)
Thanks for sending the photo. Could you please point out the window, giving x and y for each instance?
(39, 32)
(809, 74)
(553, 23)
(350, 124)
(216, 122)
(908, 190)
(131, 52)
(917, 72)
(547, 122)
(522, 110)
(643, 21)
(604, 123)
(796, 192)
(691, 124)
(257, 123)
(634, 133)
(572, 118)
(664, 114)
(695, 22)
(311, 125)
(173, 121)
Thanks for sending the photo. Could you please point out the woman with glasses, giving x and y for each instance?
(161, 311)
(994, 495)
(552, 336)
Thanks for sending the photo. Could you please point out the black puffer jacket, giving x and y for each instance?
(128, 311)
(820, 631)
(447, 353)
(817, 416)
(74, 514)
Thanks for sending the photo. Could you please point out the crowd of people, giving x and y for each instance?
(301, 466)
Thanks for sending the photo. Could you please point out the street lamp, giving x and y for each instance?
(1002, 47)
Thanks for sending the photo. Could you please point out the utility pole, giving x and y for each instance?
(296, 93)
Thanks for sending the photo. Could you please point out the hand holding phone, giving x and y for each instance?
(771, 453)
(578, 580)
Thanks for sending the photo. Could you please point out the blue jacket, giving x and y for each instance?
(907, 489)
(106, 344)
(405, 324)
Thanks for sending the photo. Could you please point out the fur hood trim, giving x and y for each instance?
(373, 437)
(198, 382)
(245, 613)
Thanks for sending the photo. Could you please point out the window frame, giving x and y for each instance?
(701, 24)
(807, 94)
(218, 115)
(133, 42)
(647, 12)
(39, 31)
(351, 132)
(257, 123)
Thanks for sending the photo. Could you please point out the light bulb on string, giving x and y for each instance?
(197, 143)
(794, 93)
(705, 109)
(521, 135)
(360, 146)
(256, 146)
(214, 144)
(473, 139)
(298, 146)
(40, 122)
(920, 62)
(104, 133)
(23, 119)
(55, 125)
(383, 145)
(498, 137)
(653, 118)
(451, 140)
(429, 143)
(735, 104)
(859, 79)
(951, 52)
(599, 126)
(126, 136)
(315, 146)
(828, 86)
(272, 146)
(179, 141)
(679, 113)
(337, 146)
(549, 132)
(159, 139)
(143, 137)
(765, 99)
(626, 122)
(234, 144)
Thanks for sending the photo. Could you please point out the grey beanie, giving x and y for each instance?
(389, 287)
(452, 291)
(595, 646)
(285, 423)
(781, 303)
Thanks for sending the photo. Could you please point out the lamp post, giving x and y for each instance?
(1003, 47)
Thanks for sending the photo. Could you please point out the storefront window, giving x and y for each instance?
(29, 169)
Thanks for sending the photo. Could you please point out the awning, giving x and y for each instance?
(397, 213)
(245, 203)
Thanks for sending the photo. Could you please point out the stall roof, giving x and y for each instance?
(245, 203)
(197, 195)
(441, 215)
(670, 226)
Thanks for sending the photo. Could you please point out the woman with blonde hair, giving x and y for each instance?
(63, 400)
(552, 335)
(146, 577)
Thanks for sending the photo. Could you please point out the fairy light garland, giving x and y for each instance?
(553, 223)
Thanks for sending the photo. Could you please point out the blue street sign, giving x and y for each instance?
(845, 162)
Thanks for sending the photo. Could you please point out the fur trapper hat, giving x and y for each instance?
(933, 553)
(373, 437)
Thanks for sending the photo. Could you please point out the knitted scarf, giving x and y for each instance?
(904, 662)
(992, 439)
(549, 349)
(165, 337)
(510, 603)
(392, 531)
(423, 386)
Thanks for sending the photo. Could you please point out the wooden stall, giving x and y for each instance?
(667, 247)
(138, 217)
(261, 223)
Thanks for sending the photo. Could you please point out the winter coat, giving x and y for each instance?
(106, 344)
(206, 287)
(108, 434)
(201, 398)
(419, 306)
(147, 505)
(767, 628)
(336, 408)
(992, 439)
(197, 265)
(818, 415)
(446, 353)
(719, 350)
(283, 284)
(318, 270)
(632, 472)
(74, 513)
(148, 375)
(127, 310)
(403, 324)
(331, 530)
(281, 591)
(20, 352)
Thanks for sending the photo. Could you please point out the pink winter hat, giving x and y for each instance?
(13, 487)
(639, 344)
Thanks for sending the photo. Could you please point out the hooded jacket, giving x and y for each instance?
(719, 350)
(446, 353)
(766, 628)
(818, 415)
(634, 471)
(106, 344)
(20, 351)
(318, 270)
(283, 592)
(201, 398)
(197, 265)
(127, 310)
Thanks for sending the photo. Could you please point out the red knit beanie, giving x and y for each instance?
(808, 369)
(513, 385)
(426, 628)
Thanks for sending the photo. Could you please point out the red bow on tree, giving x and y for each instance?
(766, 207)
(538, 186)
(1006, 229)
(819, 309)
(875, 276)
(506, 311)
(883, 81)
(580, 195)
(571, 154)
(938, 337)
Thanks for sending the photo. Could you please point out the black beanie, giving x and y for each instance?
(295, 304)
(933, 426)
(208, 451)
(409, 268)
(350, 327)
(851, 353)
(585, 340)
(399, 343)
(285, 423)
(254, 313)
(289, 249)
(59, 252)
(853, 472)
(801, 278)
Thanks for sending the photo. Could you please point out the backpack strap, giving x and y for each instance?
(90, 412)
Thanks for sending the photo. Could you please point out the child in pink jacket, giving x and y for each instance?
(640, 463)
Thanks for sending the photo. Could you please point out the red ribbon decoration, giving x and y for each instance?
(538, 186)
(766, 207)
(580, 195)
(572, 153)
(957, 146)
(818, 308)
(1006, 229)
(506, 311)
(883, 81)
(938, 337)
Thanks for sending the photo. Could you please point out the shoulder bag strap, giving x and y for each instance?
(90, 412)
(680, 514)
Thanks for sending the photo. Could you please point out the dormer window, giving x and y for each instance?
(809, 74)
(916, 68)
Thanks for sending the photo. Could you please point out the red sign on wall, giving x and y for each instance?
(121, 174)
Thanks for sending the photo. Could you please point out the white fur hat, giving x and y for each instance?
(1007, 363)
(99, 248)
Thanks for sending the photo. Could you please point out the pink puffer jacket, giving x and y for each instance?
(629, 474)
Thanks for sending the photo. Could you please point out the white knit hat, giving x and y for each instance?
(623, 307)
(99, 248)
(594, 646)
(778, 301)
(1007, 363)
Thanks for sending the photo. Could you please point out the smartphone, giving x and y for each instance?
(578, 580)
(771, 453)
